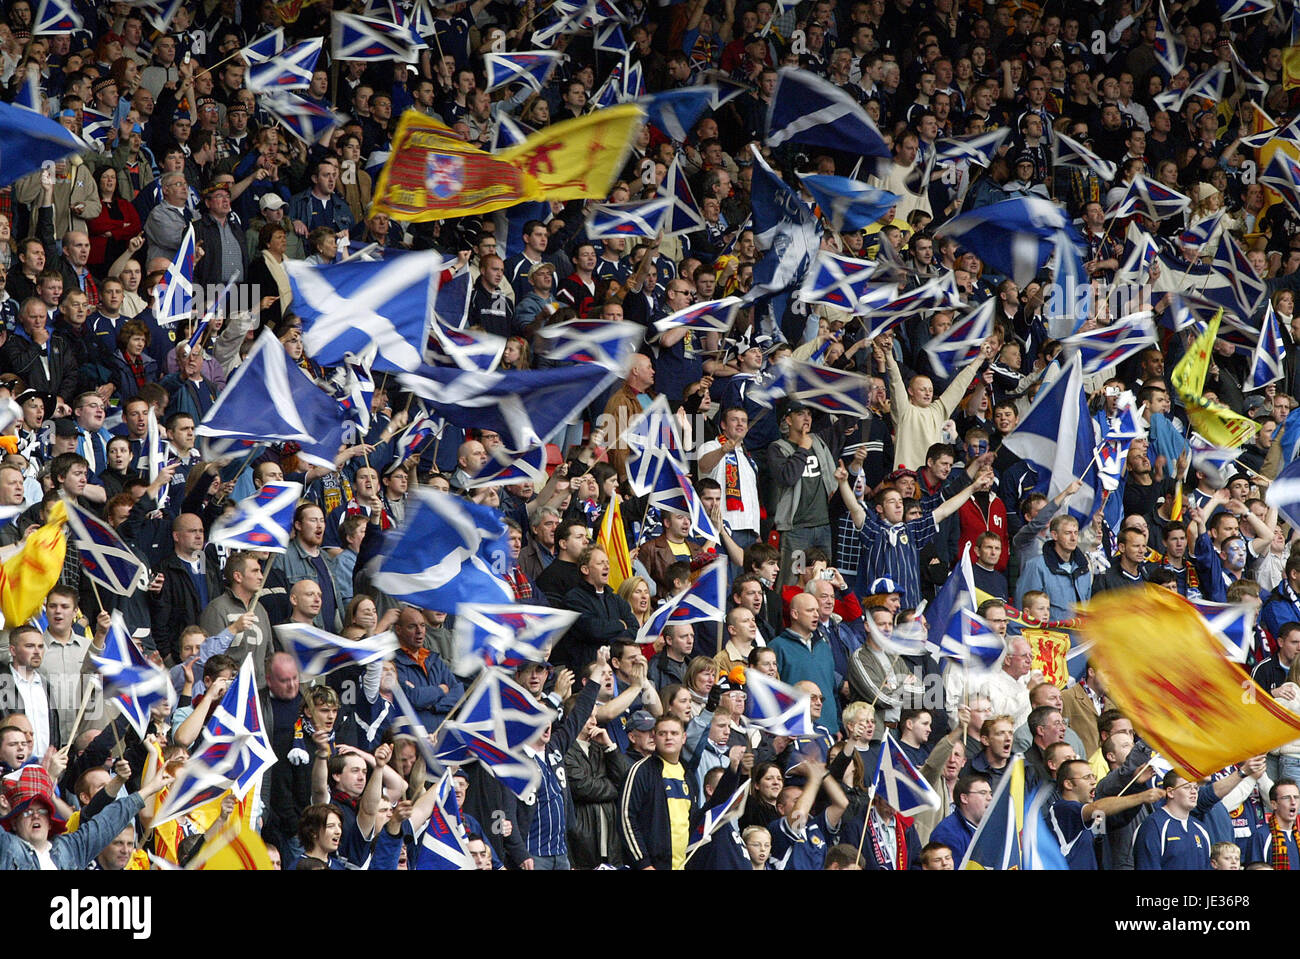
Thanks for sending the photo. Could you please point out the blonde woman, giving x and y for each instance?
(636, 591)
(701, 675)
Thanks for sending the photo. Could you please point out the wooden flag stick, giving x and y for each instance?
(76, 723)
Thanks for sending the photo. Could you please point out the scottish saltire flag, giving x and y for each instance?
(506, 635)
(451, 304)
(161, 13)
(105, 558)
(354, 388)
(56, 16)
(446, 551)
(1266, 361)
(527, 468)
(464, 349)
(531, 67)
(1017, 237)
(408, 722)
(174, 295)
(320, 653)
(610, 92)
(28, 96)
(907, 639)
(239, 716)
(979, 148)
(1057, 437)
(637, 218)
(305, 120)
(1072, 153)
(1264, 126)
(684, 215)
(807, 109)
(673, 491)
(832, 391)
(1284, 492)
(264, 47)
(514, 770)
(443, 844)
(1167, 46)
(1198, 234)
(271, 400)
(711, 316)
(939, 293)
(287, 70)
(897, 782)
(124, 668)
(957, 591)
(1207, 86)
(525, 407)
(609, 38)
(633, 82)
(1214, 461)
(506, 133)
(1237, 9)
(155, 455)
(960, 343)
(605, 343)
(210, 313)
(1040, 848)
(653, 442)
(784, 227)
(969, 640)
(1283, 175)
(705, 600)
(837, 281)
(1151, 199)
(996, 843)
(263, 521)
(675, 112)
(417, 433)
(776, 708)
(1244, 289)
(365, 38)
(848, 204)
(346, 307)
(1234, 626)
(715, 817)
(1106, 346)
(502, 712)
(1109, 457)
(1126, 424)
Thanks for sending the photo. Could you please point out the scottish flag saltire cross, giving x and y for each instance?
(506, 635)
(776, 707)
(263, 521)
(837, 281)
(174, 295)
(105, 558)
(897, 782)
(319, 652)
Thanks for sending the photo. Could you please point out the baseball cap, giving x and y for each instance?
(883, 585)
(541, 267)
(271, 201)
(793, 406)
(641, 721)
(65, 427)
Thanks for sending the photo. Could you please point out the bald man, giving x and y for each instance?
(470, 458)
(305, 602)
(803, 653)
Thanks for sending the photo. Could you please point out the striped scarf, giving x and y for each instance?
(1279, 854)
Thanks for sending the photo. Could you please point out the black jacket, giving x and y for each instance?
(178, 603)
(208, 272)
(595, 777)
(643, 815)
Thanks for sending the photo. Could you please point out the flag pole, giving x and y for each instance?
(433, 736)
(866, 824)
(81, 712)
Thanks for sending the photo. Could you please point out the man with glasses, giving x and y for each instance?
(1072, 816)
(971, 797)
(1171, 838)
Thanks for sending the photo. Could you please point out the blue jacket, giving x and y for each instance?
(1281, 607)
(796, 662)
(74, 850)
(955, 832)
(337, 215)
(1064, 587)
(1165, 843)
(421, 685)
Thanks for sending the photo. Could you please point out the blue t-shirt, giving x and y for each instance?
(807, 852)
(1164, 842)
(1065, 816)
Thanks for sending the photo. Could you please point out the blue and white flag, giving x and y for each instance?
(897, 782)
(996, 843)
(1208, 86)
(610, 39)
(270, 400)
(654, 443)
(238, 717)
(319, 653)
(354, 388)
(905, 639)
(263, 521)
(1214, 461)
(837, 281)
(530, 467)
(1140, 252)
(970, 640)
(443, 843)
(160, 13)
(264, 47)
(979, 148)
(1283, 175)
(1106, 346)
(525, 407)
(417, 433)
(1017, 237)
(1238, 9)
(502, 712)
(958, 345)
(1040, 847)
(784, 227)
(506, 635)
(155, 455)
(514, 770)
(1126, 424)
(776, 708)
(609, 344)
(123, 666)
(346, 307)
(451, 304)
(957, 592)
(54, 17)
(637, 218)
(705, 600)
(1167, 46)
(675, 112)
(1266, 361)
(1057, 437)
(711, 316)
(368, 39)
(174, 295)
(715, 817)
(1072, 153)
(305, 120)
(838, 392)
(1284, 491)
(848, 204)
(1243, 289)
(446, 551)
(807, 109)
(892, 307)
(506, 133)
(684, 215)
(1233, 625)
(1150, 198)
(104, 557)
(408, 722)
(633, 82)
(530, 67)
(288, 70)
(464, 349)
(673, 491)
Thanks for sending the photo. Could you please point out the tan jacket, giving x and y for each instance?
(77, 187)
(917, 427)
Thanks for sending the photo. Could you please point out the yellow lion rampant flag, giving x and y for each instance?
(578, 158)
(612, 538)
(1166, 670)
(30, 573)
(1218, 424)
